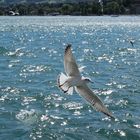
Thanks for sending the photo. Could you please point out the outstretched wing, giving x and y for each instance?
(70, 65)
(93, 99)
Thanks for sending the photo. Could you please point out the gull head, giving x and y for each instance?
(87, 80)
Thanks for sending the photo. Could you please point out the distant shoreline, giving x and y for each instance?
(68, 15)
(94, 8)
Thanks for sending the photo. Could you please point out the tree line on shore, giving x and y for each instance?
(83, 8)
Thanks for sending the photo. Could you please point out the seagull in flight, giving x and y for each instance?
(74, 80)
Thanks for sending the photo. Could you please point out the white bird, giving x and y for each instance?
(73, 79)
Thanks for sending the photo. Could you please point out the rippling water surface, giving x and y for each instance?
(31, 56)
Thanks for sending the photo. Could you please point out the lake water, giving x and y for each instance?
(31, 57)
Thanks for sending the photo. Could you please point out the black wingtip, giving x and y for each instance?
(68, 47)
(109, 115)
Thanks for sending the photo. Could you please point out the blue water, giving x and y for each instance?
(31, 57)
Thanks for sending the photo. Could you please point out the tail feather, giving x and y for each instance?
(62, 78)
(70, 91)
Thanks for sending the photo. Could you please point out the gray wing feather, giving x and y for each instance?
(70, 65)
(93, 99)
